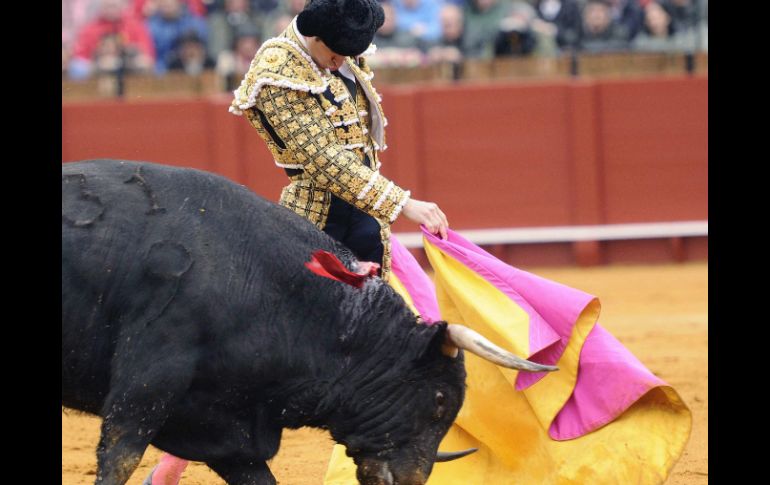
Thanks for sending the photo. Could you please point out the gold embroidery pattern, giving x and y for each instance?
(386, 256)
(272, 59)
(328, 141)
(322, 156)
(276, 150)
(302, 197)
(350, 118)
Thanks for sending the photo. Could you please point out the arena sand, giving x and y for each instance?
(660, 313)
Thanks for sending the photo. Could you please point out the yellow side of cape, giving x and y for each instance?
(510, 428)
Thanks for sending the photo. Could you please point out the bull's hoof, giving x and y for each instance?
(148, 480)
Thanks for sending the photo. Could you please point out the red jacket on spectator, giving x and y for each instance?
(133, 32)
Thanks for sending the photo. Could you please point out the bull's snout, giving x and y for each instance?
(375, 472)
(371, 472)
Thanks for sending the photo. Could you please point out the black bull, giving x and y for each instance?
(190, 322)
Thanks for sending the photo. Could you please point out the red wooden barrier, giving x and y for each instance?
(655, 149)
(569, 152)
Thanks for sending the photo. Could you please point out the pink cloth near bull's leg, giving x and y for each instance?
(169, 470)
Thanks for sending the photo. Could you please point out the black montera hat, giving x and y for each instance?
(346, 26)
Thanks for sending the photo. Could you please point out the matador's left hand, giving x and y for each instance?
(427, 214)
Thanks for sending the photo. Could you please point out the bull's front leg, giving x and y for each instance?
(131, 418)
(147, 382)
(132, 415)
(118, 454)
(242, 472)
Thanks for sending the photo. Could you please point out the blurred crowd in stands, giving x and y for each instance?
(158, 36)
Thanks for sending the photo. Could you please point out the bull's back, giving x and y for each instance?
(129, 204)
(141, 240)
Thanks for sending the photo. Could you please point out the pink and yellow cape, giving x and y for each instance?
(603, 418)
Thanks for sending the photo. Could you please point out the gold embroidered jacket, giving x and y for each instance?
(324, 142)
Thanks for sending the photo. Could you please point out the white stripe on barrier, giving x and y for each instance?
(606, 232)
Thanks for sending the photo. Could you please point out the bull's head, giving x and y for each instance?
(397, 420)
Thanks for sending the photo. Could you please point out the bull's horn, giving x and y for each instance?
(453, 455)
(464, 338)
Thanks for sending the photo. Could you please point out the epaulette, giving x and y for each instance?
(279, 62)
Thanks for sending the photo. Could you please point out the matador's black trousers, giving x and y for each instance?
(357, 230)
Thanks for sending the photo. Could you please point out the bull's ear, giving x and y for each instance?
(436, 337)
(448, 347)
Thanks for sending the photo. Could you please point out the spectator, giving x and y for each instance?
(144, 9)
(276, 22)
(262, 7)
(279, 23)
(702, 28)
(599, 32)
(419, 17)
(628, 17)
(107, 58)
(233, 64)
(482, 23)
(690, 22)
(657, 34)
(683, 13)
(112, 28)
(449, 48)
(167, 24)
(564, 15)
(74, 15)
(246, 43)
(521, 33)
(111, 56)
(190, 55)
(389, 35)
(236, 14)
(395, 48)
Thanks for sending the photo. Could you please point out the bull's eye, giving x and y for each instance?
(439, 411)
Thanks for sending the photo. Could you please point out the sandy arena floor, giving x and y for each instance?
(660, 313)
